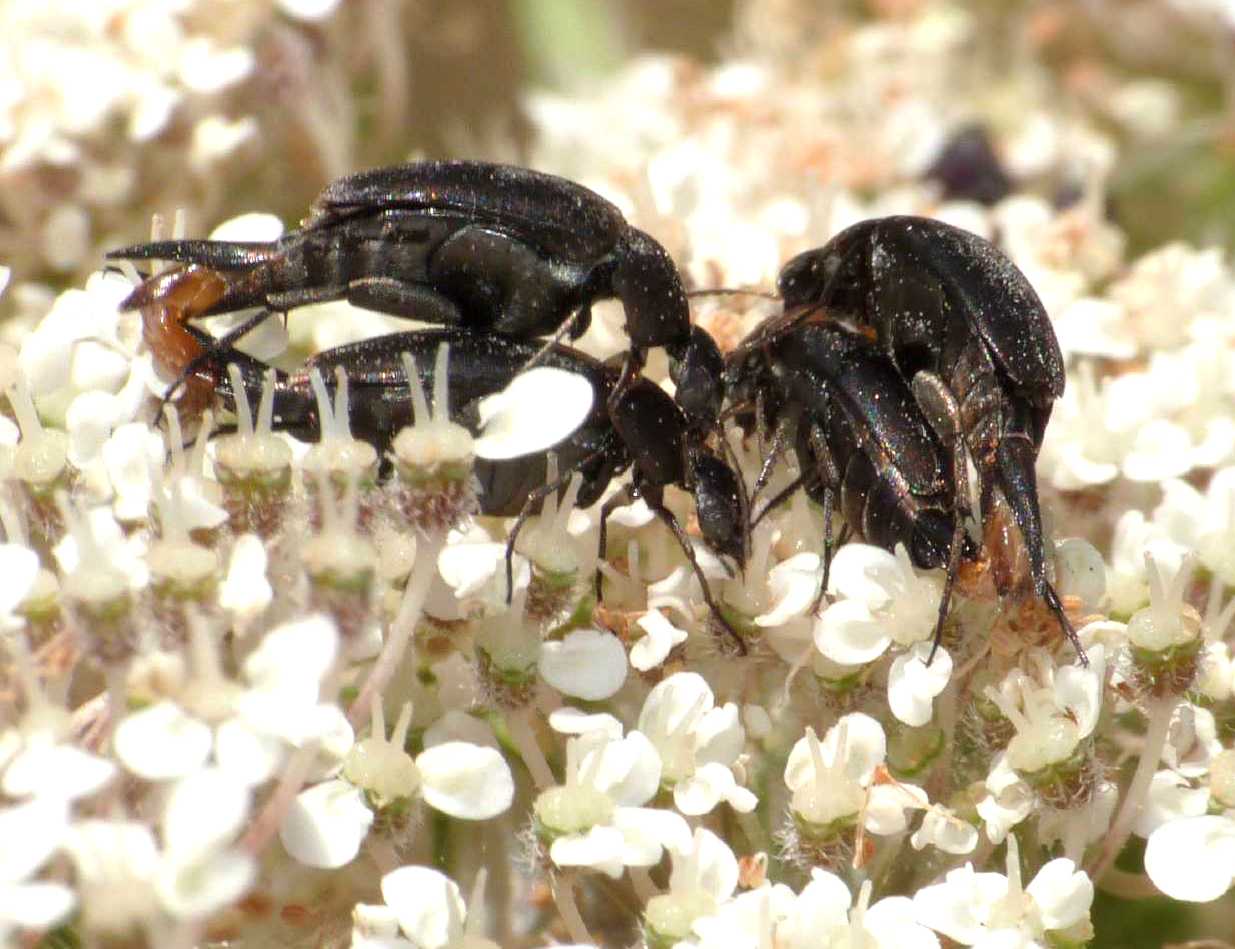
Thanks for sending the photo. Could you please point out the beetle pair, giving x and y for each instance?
(907, 346)
(504, 257)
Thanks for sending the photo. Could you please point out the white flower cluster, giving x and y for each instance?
(202, 646)
(112, 103)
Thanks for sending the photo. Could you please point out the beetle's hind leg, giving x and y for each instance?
(657, 505)
(943, 414)
(529, 508)
(1051, 598)
(412, 301)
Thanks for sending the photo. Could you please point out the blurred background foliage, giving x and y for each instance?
(378, 81)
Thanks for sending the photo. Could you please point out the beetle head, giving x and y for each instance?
(718, 499)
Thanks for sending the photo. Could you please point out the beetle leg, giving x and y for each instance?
(570, 326)
(620, 499)
(801, 481)
(213, 348)
(744, 500)
(656, 503)
(1051, 598)
(829, 475)
(413, 301)
(943, 414)
(772, 454)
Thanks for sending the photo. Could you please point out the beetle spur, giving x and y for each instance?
(858, 436)
(482, 246)
(968, 334)
(633, 425)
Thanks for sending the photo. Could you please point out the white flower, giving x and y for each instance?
(913, 685)
(1193, 858)
(245, 592)
(32, 832)
(883, 600)
(1127, 579)
(1095, 326)
(1091, 430)
(465, 781)
(248, 729)
(308, 10)
(473, 567)
(99, 542)
(131, 456)
(1192, 743)
(792, 586)
(1054, 714)
(594, 818)
(1171, 797)
(116, 863)
(748, 921)
(944, 830)
(327, 824)
(1202, 522)
(824, 915)
(126, 880)
(834, 780)
(1008, 801)
(329, 821)
(703, 877)
(1080, 572)
(427, 905)
(990, 909)
(55, 771)
(200, 873)
(651, 650)
(19, 565)
(697, 743)
(588, 664)
(1193, 285)
(78, 347)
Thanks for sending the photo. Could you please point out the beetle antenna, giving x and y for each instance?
(734, 292)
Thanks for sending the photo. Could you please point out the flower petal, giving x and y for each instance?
(326, 825)
(471, 782)
(203, 811)
(1192, 859)
(162, 742)
(428, 905)
(1063, 893)
(589, 664)
(847, 633)
(539, 408)
(913, 685)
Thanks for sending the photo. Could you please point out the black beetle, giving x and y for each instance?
(859, 438)
(633, 424)
(487, 247)
(479, 245)
(967, 332)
